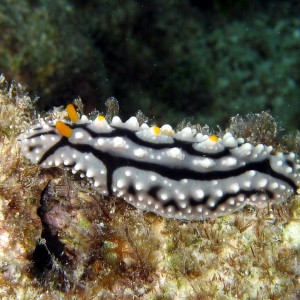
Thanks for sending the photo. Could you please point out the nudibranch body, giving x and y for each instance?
(182, 175)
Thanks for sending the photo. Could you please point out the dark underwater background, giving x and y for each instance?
(203, 61)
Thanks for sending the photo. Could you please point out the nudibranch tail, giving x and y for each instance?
(183, 175)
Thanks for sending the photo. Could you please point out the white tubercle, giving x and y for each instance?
(167, 129)
(83, 120)
(144, 126)
(229, 141)
(116, 121)
(185, 134)
(100, 125)
(132, 124)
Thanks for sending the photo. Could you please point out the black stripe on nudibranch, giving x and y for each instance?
(39, 134)
(126, 133)
(113, 162)
(170, 172)
(196, 202)
(175, 174)
(131, 190)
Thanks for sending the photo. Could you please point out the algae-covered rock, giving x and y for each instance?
(61, 239)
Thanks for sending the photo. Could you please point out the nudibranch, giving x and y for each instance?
(182, 175)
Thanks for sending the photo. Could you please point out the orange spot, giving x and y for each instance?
(101, 118)
(63, 129)
(72, 113)
(213, 138)
(156, 130)
(168, 132)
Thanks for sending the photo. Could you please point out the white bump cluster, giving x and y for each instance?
(229, 141)
(204, 162)
(149, 136)
(139, 152)
(119, 142)
(207, 145)
(186, 134)
(175, 153)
